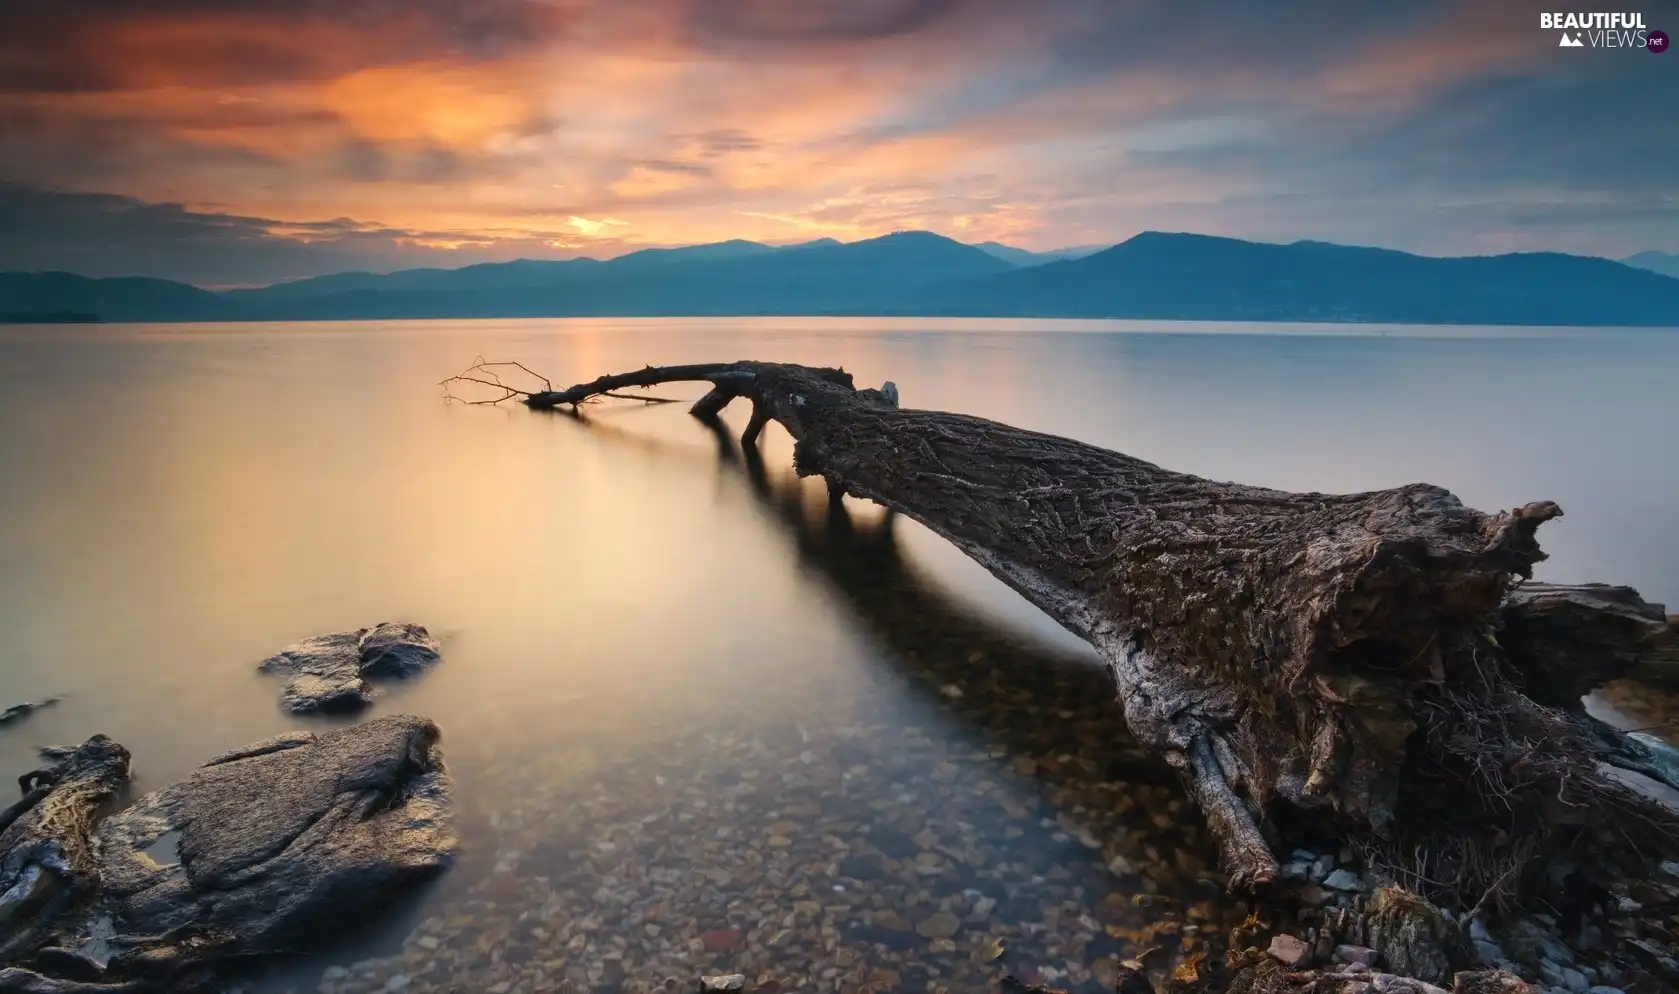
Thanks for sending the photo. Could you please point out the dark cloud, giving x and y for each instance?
(369, 162)
(816, 20)
(674, 167)
(724, 141)
(104, 235)
(68, 46)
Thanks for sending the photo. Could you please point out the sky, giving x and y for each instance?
(239, 142)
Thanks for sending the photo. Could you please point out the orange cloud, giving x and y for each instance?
(453, 105)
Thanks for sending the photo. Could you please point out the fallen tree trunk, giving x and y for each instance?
(1583, 636)
(1316, 653)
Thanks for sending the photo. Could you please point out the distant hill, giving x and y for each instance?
(727, 278)
(1154, 275)
(1199, 277)
(1666, 263)
(128, 298)
(1022, 257)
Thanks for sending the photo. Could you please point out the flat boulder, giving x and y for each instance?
(255, 853)
(330, 673)
(266, 844)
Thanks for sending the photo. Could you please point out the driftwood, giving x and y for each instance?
(1366, 658)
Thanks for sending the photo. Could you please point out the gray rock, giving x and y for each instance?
(46, 851)
(1290, 951)
(1557, 951)
(1574, 980)
(1411, 935)
(282, 834)
(1343, 880)
(1606, 990)
(1322, 867)
(330, 672)
(1390, 983)
(18, 712)
(1488, 953)
(1356, 954)
(249, 855)
(728, 982)
(938, 925)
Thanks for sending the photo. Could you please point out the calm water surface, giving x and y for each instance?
(680, 699)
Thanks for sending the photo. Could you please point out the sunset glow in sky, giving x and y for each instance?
(234, 141)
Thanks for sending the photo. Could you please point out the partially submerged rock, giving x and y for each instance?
(18, 712)
(270, 841)
(47, 862)
(330, 672)
(248, 855)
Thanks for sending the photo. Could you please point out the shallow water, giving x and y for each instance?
(680, 699)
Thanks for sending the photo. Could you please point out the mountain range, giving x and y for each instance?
(1666, 263)
(1153, 275)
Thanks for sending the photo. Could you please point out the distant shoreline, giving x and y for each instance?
(49, 317)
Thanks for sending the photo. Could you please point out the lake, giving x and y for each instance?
(696, 722)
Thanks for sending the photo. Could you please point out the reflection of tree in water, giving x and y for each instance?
(1045, 715)
(1029, 698)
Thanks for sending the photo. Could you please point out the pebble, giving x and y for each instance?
(727, 982)
(1290, 951)
(1343, 880)
(854, 852)
(1356, 954)
(717, 940)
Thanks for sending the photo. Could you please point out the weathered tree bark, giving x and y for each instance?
(1579, 637)
(1331, 652)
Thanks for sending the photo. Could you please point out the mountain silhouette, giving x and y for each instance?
(1666, 263)
(1021, 257)
(1154, 275)
(126, 298)
(1201, 277)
